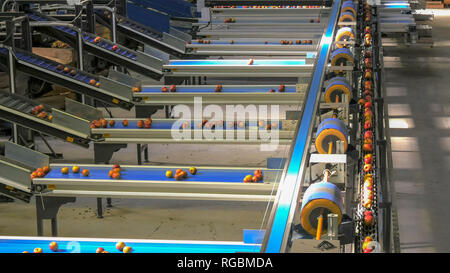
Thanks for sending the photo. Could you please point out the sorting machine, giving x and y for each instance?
(320, 194)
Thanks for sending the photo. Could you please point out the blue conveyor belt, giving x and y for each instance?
(168, 124)
(225, 89)
(152, 174)
(237, 62)
(69, 245)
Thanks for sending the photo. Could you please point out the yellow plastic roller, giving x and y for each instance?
(341, 56)
(347, 17)
(344, 34)
(349, 6)
(331, 130)
(336, 88)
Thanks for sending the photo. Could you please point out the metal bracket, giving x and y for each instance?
(47, 208)
(146, 111)
(104, 151)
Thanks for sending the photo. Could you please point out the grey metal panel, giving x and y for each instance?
(123, 78)
(15, 174)
(174, 41)
(153, 62)
(82, 110)
(71, 121)
(157, 53)
(26, 156)
(179, 34)
(119, 89)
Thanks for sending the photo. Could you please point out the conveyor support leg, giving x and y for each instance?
(47, 207)
(99, 208)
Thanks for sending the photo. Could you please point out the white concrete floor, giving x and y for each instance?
(418, 101)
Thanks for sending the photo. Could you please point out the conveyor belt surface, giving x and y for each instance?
(168, 124)
(83, 245)
(248, 42)
(237, 63)
(151, 174)
(139, 62)
(17, 109)
(50, 65)
(225, 89)
(70, 77)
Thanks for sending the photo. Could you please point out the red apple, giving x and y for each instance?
(85, 172)
(368, 134)
(53, 246)
(248, 178)
(120, 246)
(367, 125)
(281, 88)
(164, 89)
(99, 250)
(75, 169)
(127, 249)
(367, 168)
(125, 123)
(148, 123)
(65, 170)
(368, 220)
(368, 148)
(368, 250)
(37, 250)
(368, 157)
(179, 176)
(104, 123)
(173, 88)
(218, 88)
